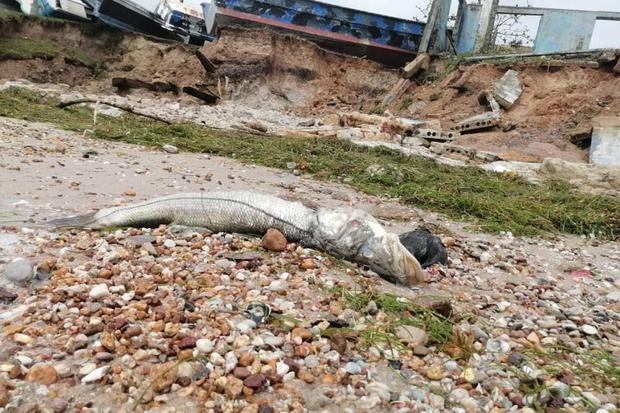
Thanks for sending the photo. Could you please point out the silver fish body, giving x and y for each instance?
(348, 233)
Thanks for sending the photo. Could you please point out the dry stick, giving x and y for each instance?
(124, 106)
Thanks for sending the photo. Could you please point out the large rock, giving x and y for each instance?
(19, 271)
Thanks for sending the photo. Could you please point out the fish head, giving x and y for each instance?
(387, 256)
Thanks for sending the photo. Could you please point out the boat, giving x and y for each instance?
(382, 38)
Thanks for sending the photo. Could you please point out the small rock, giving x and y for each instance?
(58, 405)
(241, 373)
(458, 394)
(255, 381)
(497, 346)
(614, 296)
(234, 387)
(302, 333)
(274, 241)
(312, 361)
(435, 373)
(412, 336)
(352, 368)
(96, 374)
(170, 243)
(589, 330)
(421, 351)
(22, 338)
(451, 365)
(5, 396)
(42, 374)
(307, 264)
(99, 291)
(187, 342)
(230, 361)
(282, 368)
(19, 271)
(7, 296)
(204, 346)
(170, 148)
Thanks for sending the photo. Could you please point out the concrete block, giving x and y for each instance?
(605, 148)
(435, 134)
(508, 89)
(484, 121)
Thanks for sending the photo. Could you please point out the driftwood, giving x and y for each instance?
(156, 86)
(203, 94)
(205, 62)
(126, 106)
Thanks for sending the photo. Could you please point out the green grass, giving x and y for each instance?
(21, 48)
(493, 202)
(438, 328)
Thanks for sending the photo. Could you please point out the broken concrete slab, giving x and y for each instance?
(605, 148)
(421, 62)
(471, 153)
(508, 89)
(477, 122)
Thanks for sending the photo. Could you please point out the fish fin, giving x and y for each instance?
(76, 221)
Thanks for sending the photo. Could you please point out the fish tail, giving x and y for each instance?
(77, 221)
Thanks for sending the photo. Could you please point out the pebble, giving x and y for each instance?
(96, 374)
(43, 374)
(589, 330)
(274, 240)
(234, 387)
(170, 243)
(19, 271)
(435, 373)
(282, 368)
(412, 336)
(5, 396)
(255, 381)
(230, 361)
(312, 361)
(22, 338)
(497, 346)
(170, 148)
(352, 368)
(204, 346)
(99, 291)
(58, 405)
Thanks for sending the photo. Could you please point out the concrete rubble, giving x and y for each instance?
(605, 147)
(508, 89)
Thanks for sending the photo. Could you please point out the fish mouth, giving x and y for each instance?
(397, 262)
